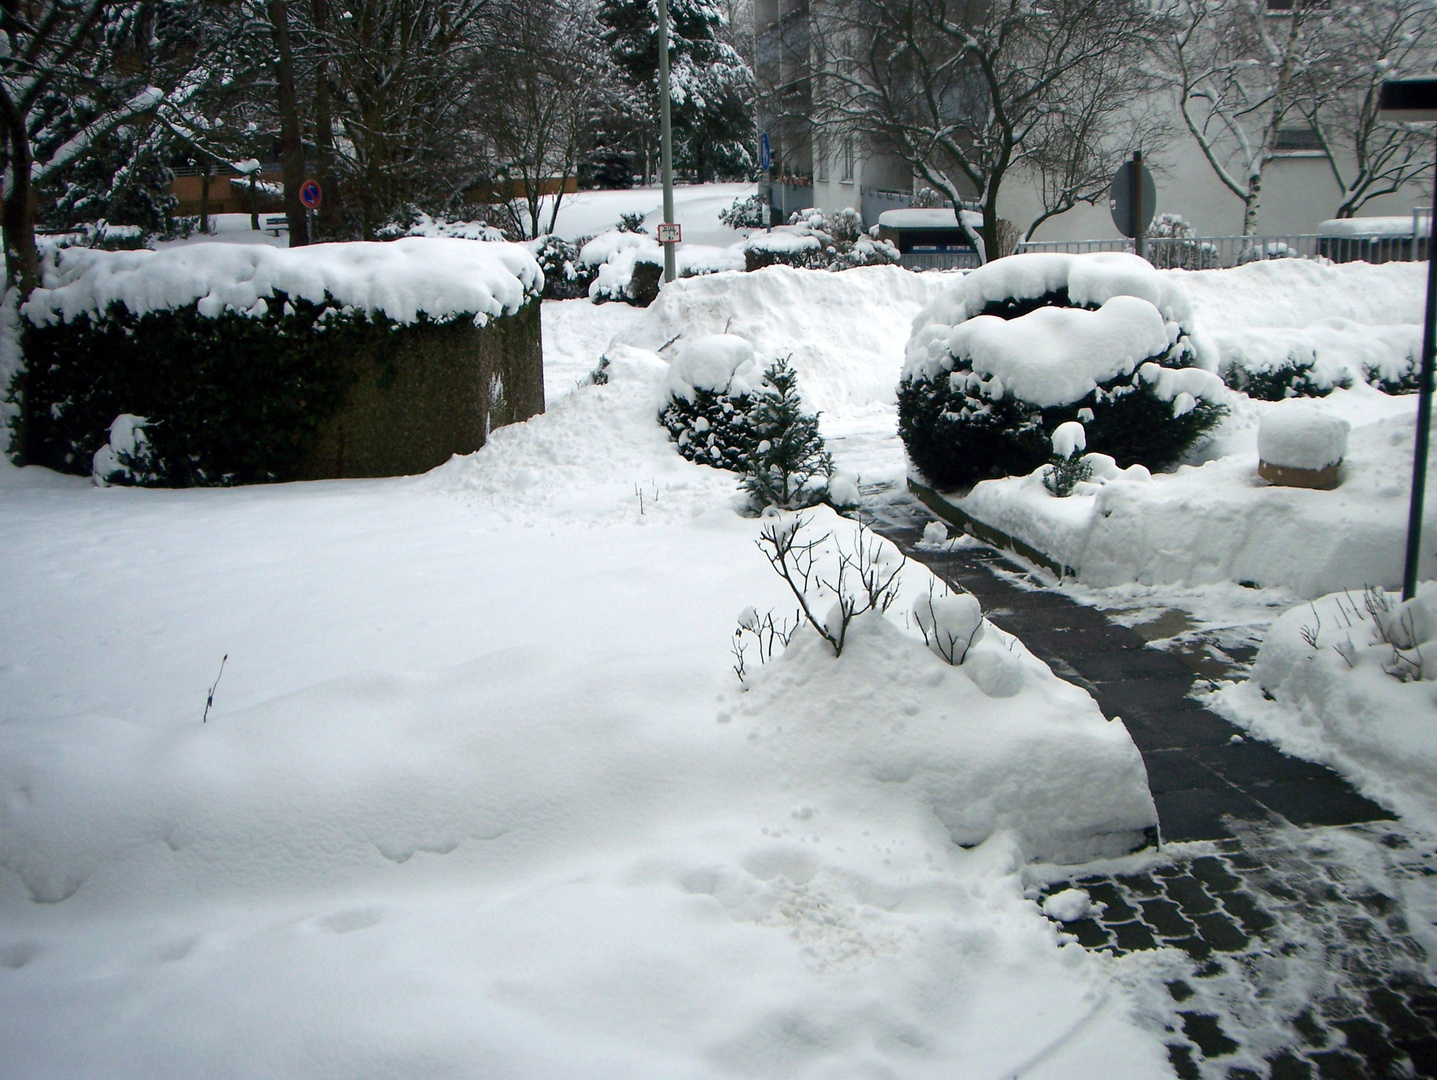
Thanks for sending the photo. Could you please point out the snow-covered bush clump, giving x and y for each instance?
(566, 276)
(1297, 375)
(811, 242)
(711, 381)
(1172, 244)
(417, 223)
(1029, 342)
(628, 266)
(1302, 438)
(722, 411)
(749, 213)
(1069, 467)
(128, 458)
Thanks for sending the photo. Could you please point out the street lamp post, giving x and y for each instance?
(1410, 101)
(666, 138)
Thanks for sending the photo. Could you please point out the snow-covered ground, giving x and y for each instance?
(479, 792)
(479, 789)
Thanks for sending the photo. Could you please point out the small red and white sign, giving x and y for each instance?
(670, 233)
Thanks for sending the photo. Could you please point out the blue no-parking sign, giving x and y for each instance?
(765, 155)
(309, 193)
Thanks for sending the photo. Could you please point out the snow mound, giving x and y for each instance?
(1342, 695)
(402, 279)
(1070, 905)
(1301, 438)
(890, 720)
(844, 333)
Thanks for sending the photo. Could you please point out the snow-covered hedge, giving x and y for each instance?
(1029, 342)
(710, 385)
(811, 242)
(628, 266)
(251, 363)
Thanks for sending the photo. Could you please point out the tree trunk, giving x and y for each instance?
(22, 265)
(329, 216)
(291, 144)
(205, 197)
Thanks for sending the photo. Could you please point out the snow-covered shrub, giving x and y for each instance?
(1401, 377)
(749, 213)
(566, 276)
(833, 584)
(1296, 376)
(786, 465)
(1068, 468)
(808, 244)
(128, 458)
(1025, 343)
(950, 625)
(711, 383)
(626, 266)
(928, 199)
(411, 221)
(631, 223)
(1172, 245)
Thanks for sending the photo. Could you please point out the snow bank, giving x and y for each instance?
(1219, 522)
(844, 332)
(1327, 687)
(402, 279)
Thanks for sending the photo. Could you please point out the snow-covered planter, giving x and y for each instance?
(1301, 447)
(628, 266)
(1029, 342)
(254, 363)
(711, 381)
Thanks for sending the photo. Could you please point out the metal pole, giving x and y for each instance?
(1139, 219)
(1424, 419)
(666, 137)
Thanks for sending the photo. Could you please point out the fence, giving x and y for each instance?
(1212, 252)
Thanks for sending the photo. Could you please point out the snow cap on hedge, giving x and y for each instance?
(402, 279)
(718, 363)
(1152, 311)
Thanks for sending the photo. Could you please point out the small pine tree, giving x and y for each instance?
(787, 465)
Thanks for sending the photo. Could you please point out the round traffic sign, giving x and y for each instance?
(1120, 197)
(309, 193)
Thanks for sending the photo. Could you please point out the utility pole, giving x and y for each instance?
(666, 137)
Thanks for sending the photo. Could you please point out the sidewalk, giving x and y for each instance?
(1298, 968)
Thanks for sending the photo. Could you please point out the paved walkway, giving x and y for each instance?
(1298, 967)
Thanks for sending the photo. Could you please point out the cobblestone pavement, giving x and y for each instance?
(1288, 934)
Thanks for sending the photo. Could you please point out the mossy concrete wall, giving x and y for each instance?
(427, 392)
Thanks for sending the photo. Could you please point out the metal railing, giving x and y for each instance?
(1213, 252)
(938, 260)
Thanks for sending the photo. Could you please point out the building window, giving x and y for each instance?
(1297, 141)
(847, 176)
(820, 158)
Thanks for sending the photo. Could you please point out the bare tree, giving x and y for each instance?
(1240, 71)
(546, 74)
(970, 92)
(1374, 41)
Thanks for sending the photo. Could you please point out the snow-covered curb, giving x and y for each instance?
(402, 279)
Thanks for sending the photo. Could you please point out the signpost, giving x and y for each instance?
(765, 162)
(309, 195)
(666, 139)
(1408, 101)
(1132, 199)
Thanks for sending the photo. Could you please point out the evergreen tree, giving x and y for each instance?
(787, 465)
(711, 87)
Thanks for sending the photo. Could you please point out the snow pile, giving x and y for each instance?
(402, 279)
(1348, 680)
(718, 363)
(1068, 438)
(424, 225)
(844, 332)
(1301, 438)
(1070, 905)
(1389, 227)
